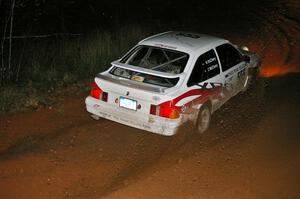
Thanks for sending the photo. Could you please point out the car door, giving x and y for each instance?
(233, 68)
(206, 75)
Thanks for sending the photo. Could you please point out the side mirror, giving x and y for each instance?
(246, 58)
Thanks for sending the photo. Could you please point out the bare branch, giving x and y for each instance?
(3, 67)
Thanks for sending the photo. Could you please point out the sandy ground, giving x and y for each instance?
(251, 150)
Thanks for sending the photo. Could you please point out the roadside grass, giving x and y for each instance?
(44, 70)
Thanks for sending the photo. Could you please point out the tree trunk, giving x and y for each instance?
(10, 37)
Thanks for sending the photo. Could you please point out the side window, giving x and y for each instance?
(205, 67)
(228, 55)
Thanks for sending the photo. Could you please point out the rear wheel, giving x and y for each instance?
(203, 120)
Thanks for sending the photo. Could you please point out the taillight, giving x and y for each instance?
(168, 112)
(164, 110)
(97, 93)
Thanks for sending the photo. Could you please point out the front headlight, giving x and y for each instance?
(245, 48)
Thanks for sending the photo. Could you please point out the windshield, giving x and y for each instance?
(158, 59)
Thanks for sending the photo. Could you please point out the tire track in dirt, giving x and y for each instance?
(35, 143)
(80, 144)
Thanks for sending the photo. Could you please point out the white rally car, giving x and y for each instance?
(170, 78)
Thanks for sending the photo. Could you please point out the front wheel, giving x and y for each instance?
(203, 120)
(253, 75)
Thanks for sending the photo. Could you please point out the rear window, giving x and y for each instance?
(145, 78)
(158, 59)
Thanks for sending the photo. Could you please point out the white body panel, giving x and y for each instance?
(152, 123)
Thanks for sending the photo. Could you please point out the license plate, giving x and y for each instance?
(127, 103)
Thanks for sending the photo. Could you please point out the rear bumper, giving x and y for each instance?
(151, 123)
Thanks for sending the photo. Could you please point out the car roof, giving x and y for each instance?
(183, 41)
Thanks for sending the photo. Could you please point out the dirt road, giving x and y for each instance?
(251, 150)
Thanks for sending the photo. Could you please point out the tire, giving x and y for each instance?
(252, 78)
(203, 120)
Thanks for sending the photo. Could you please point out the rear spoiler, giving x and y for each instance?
(146, 71)
(133, 84)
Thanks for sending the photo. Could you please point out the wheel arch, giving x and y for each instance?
(205, 103)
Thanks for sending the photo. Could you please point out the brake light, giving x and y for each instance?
(96, 91)
(168, 112)
(164, 110)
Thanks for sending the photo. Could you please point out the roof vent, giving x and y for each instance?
(190, 35)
